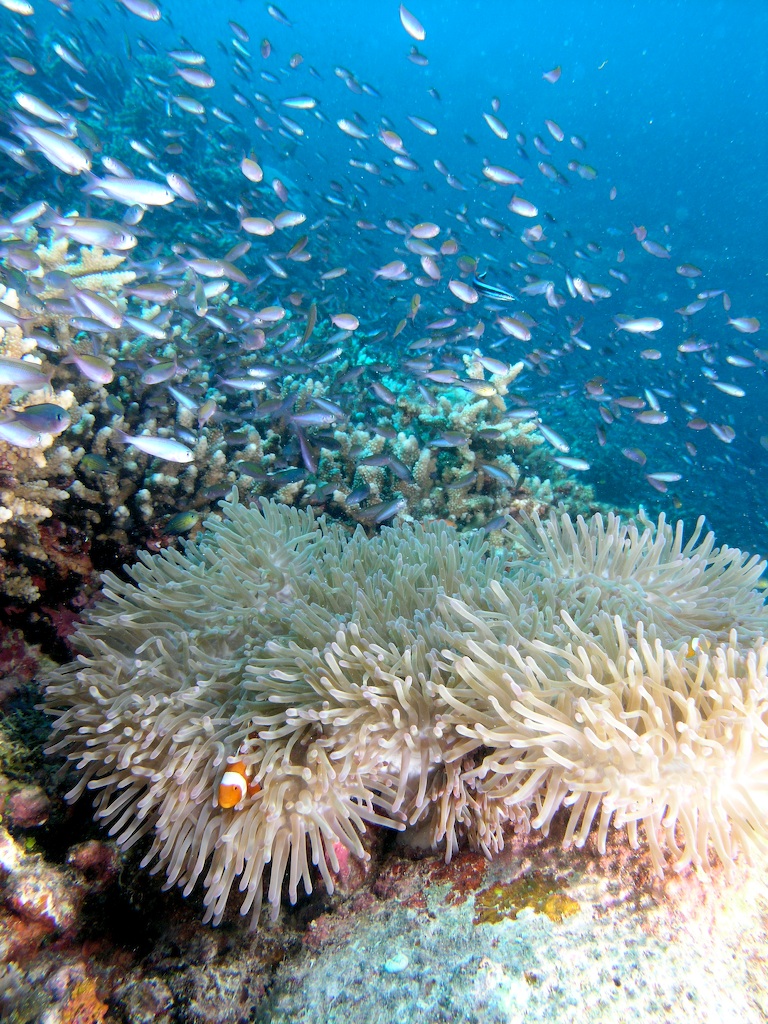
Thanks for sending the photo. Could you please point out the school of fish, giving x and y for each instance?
(636, 391)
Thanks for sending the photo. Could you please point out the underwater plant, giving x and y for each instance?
(280, 684)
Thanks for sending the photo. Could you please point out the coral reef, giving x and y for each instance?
(406, 445)
(45, 975)
(28, 476)
(418, 679)
(468, 747)
(470, 940)
(34, 479)
(90, 268)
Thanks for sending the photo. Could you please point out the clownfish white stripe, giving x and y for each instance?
(233, 786)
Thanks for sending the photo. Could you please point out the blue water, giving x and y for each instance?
(670, 100)
(670, 97)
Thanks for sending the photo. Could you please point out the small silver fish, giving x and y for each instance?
(159, 447)
(313, 418)
(19, 434)
(58, 150)
(20, 373)
(383, 511)
(131, 191)
(95, 368)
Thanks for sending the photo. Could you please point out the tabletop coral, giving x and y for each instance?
(417, 679)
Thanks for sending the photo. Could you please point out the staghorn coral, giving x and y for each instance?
(421, 679)
(89, 267)
(35, 482)
(262, 458)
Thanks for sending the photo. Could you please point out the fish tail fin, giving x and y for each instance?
(53, 222)
(92, 182)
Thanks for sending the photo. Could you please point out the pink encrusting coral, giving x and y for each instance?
(418, 679)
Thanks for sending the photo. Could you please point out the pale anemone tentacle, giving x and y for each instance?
(608, 671)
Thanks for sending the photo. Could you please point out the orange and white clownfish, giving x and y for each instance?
(235, 785)
(699, 645)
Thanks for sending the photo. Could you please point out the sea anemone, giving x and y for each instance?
(281, 684)
(620, 730)
(642, 572)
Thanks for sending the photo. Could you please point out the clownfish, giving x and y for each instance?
(235, 785)
(699, 645)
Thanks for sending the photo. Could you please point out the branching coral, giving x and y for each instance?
(420, 679)
(446, 449)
